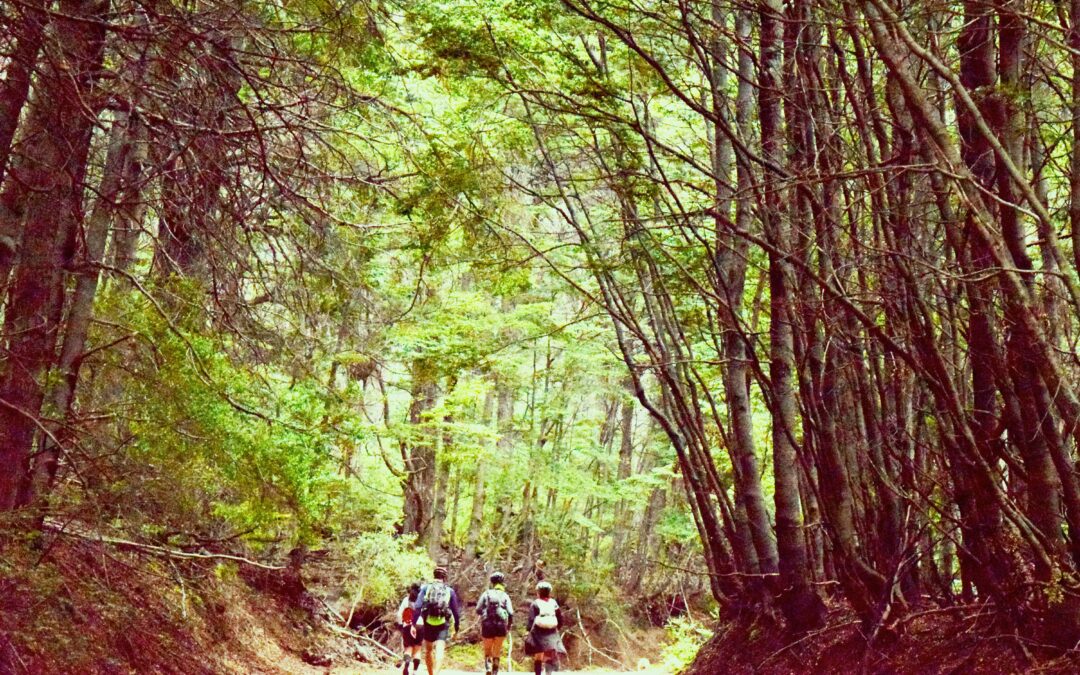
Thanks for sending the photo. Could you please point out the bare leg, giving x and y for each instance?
(440, 649)
(429, 656)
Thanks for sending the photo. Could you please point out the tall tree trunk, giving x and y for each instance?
(418, 453)
(801, 604)
(731, 274)
(14, 92)
(28, 30)
(626, 458)
(640, 563)
(1074, 157)
(438, 510)
(121, 172)
(1008, 119)
(993, 562)
(476, 519)
(53, 163)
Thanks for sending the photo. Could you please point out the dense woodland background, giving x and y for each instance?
(774, 303)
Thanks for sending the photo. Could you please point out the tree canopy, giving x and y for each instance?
(771, 302)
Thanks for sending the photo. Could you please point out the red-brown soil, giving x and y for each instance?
(74, 606)
(960, 640)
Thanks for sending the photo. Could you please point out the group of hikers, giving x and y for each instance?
(431, 613)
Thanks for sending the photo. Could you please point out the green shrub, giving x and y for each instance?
(383, 566)
(684, 638)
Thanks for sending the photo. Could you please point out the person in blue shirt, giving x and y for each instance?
(436, 605)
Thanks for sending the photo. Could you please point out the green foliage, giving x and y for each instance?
(273, 402)
(384, 565)
(213, 440)
(685, 638)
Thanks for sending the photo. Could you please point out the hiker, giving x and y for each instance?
(496, 613)
(543, 642)
(436, 605)
(410, 640)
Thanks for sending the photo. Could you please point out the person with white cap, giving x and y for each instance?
(544, 643)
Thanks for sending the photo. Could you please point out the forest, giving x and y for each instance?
(754, 324)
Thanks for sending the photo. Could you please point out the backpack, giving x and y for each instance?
(495, 614)
(545, 617)
(436, 601)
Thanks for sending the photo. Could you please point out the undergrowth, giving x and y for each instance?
(685, 637)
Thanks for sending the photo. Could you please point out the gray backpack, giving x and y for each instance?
(436, 601)
(496, 615)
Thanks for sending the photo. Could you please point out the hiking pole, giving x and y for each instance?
(510, 653)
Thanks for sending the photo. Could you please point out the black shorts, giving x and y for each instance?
(439, 633)
(488, 630)
(407, 639)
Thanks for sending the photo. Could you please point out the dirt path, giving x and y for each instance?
(519, 671)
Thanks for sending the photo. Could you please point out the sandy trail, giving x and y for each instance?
(519, 671)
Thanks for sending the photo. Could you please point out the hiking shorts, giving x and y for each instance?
(493, 630)
(439, 633)
(407, 638)
(493, 646)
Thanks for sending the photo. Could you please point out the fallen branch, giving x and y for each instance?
(719, 575)
(804, 638)
(622, 634)
(89, 535)
(585, 634)
(9, 647)
(334, 612)
(375, 643)
(345, 630)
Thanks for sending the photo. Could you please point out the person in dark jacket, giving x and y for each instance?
(436, 605)
(496, 612)
(544, 642)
